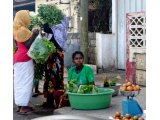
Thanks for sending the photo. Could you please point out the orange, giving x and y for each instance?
(129, 88)
(135, 118)
(129, 83)
(124, 85)
(128, 116)
(123, 88)
(138, 87)
(118, 114)
(135, 88)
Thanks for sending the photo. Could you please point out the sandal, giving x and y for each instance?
(18, 109)
(26, 111)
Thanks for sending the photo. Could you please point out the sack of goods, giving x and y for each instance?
(40, 50)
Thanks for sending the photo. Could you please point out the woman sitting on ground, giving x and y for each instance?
(82, 73)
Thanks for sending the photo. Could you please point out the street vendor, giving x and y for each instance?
(23, 64)
(82, 73)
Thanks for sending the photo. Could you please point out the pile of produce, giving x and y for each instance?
(111, 82)
(72, 86)
(118, 116)
(84, 89)
(129, 87)
(87, 89)
(50, 14)
(40, 50)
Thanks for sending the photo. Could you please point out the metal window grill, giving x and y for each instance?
(137, 30)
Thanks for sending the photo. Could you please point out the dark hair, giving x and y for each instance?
(77, 52)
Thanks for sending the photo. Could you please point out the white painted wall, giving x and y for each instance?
(125, 6)
(73, 45)
(106, 50)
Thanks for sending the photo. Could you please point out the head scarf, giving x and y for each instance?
(21, 23)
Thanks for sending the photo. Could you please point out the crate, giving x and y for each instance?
(141, 77)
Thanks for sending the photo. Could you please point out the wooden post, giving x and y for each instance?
(84, 28)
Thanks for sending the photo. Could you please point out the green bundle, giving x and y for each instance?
(72, 86)
(35, 22)
(87, 89)
(40, 50)
(50, 14)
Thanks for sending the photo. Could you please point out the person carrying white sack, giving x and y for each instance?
(23, 64)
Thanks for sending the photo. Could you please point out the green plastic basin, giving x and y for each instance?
(91, 101)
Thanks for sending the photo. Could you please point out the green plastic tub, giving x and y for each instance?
(91, 101)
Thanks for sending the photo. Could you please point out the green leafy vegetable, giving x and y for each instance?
(35, 22)
(50, 14)
(87, 89)
(39, 70)
(109, 83)
(40, 50)
(72, 86)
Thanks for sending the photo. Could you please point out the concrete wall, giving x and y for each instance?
(92, 48)
(73, 43)
(105, 51)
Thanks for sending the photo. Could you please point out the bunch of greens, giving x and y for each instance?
(39, 73)
(72, 86)
(50, 14)
(35, 22)
(109, 83)
(40, 50)
(87, 89)
(39, 70)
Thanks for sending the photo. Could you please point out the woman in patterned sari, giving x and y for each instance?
(53, 86)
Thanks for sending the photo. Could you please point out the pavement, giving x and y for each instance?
(101, 114)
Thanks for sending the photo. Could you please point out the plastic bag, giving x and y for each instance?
(40, 49)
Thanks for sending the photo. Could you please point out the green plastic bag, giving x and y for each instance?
(40, 49)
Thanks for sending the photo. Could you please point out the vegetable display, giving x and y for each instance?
(83, 89)
(72, 86)
(40, 50)
(109, 83)
(87, 89)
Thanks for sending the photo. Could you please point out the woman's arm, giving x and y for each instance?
(32, 38)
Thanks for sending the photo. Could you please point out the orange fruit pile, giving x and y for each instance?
(129, 87)
(118, 116)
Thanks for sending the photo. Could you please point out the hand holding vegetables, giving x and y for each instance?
(35, 31)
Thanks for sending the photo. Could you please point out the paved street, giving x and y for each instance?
(103, 113)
